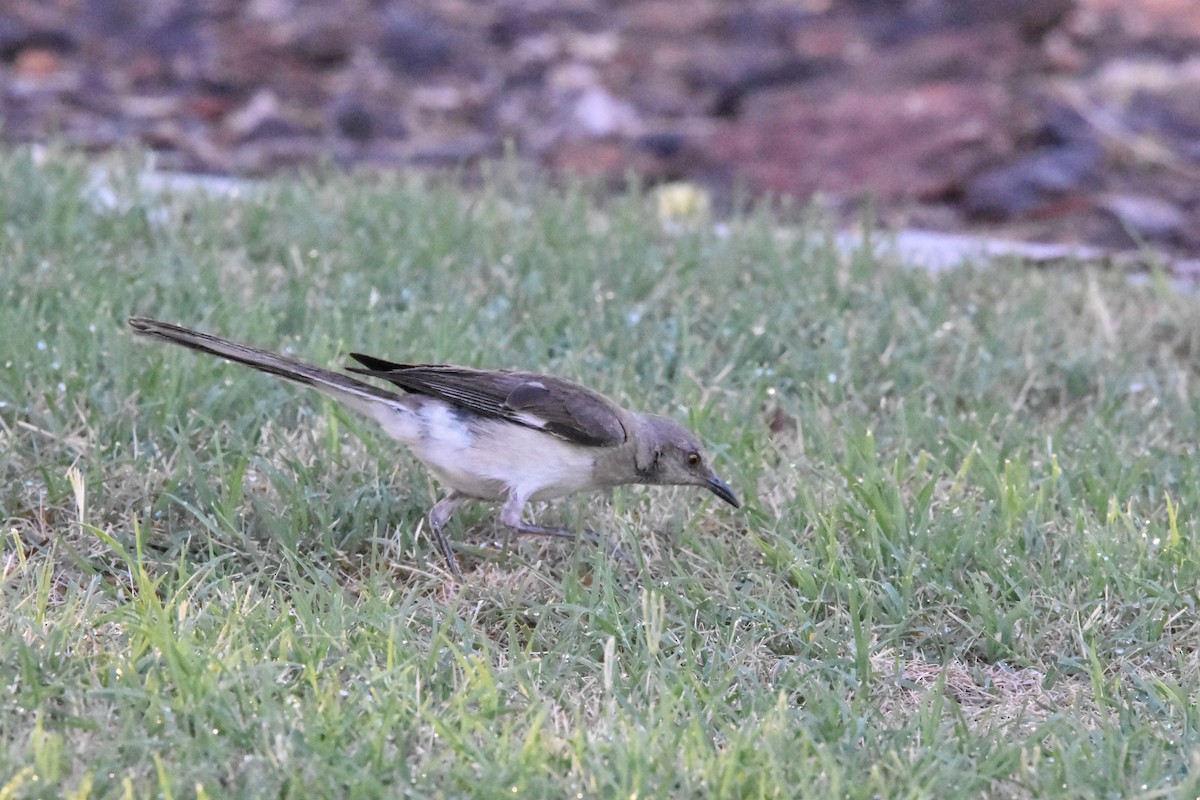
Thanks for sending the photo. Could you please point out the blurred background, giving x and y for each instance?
(1058, 120)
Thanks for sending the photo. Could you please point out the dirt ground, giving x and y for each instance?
(1071, 121)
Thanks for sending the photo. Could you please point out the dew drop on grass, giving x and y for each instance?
(41, 345)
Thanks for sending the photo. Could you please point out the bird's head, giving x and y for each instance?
(669, 454)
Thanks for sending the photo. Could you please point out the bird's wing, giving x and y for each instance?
(560, 407)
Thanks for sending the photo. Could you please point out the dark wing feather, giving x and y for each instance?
(560, 407)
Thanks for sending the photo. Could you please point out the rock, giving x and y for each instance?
(760, 25)
(894, 144)
(732, 90)
(415, 44)
(1030, 183)
(663, 144)
(17, 37)
(261, 118)
(37, 63)
(1171, 113)
(598, 114)
(1146, 217)
(322, 37)
(353, 120)
(671, 18)
(515, 21)
(597, 48)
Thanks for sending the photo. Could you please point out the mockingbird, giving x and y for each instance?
(494, 435)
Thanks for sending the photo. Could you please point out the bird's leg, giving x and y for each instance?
(510, 516)
(439, 515)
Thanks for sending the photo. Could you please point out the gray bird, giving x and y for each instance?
(492, 435)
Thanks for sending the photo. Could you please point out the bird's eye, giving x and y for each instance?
(694, 459)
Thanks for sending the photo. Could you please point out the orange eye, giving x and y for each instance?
(693, 459)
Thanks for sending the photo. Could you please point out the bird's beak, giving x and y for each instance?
(721, 489)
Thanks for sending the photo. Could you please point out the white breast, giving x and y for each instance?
(493, 459)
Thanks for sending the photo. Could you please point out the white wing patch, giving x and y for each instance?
(532, 420)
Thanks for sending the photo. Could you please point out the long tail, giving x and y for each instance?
(371, 401)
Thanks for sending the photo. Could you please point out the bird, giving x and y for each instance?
(500, 436)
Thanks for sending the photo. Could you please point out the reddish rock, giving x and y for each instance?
(896, 145)
(37, 63)
(670, 18)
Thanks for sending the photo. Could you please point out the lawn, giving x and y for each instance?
(966, 564)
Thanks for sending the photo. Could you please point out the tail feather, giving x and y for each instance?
(362, 397)
(373, 364)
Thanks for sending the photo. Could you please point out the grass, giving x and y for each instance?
(966, 565)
